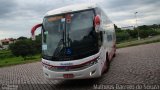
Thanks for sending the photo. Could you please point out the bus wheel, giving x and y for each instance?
(114, 55)
(107, 63)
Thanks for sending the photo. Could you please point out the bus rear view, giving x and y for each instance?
(72, 45)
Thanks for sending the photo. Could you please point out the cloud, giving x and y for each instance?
(18, 16)
(121, 11)
(6, 7)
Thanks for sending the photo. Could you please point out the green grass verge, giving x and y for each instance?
(139, 42)
(18, 60)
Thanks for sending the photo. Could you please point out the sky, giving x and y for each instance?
(18, 16)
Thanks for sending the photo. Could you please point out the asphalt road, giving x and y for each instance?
(137, 65)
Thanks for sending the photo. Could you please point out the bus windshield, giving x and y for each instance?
(69, 36)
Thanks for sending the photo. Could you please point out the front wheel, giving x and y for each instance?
(107, 63)
(114, 55)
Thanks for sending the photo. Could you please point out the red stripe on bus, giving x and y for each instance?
(72, 65)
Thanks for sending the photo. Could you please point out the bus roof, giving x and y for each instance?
(71, 8)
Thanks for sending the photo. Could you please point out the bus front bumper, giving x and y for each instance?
(90, 72)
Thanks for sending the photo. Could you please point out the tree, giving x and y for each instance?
(38, 43)
(115, 26)
(146, 31)
(22, 38)
(23, 48)
(122, 35)
(132, 33)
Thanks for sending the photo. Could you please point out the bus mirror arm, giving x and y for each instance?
(33, 31)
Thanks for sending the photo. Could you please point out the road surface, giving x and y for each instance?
(132, 65)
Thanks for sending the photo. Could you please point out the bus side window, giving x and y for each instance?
(114, 36)
(100, 38)
(109, 37)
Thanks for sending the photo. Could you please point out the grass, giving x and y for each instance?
(18, 60)
(139, 42)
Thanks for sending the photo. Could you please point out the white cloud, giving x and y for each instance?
(18, 16)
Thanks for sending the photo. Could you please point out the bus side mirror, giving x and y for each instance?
(33, 31)
(97, 21)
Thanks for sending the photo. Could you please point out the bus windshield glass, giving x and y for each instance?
(69, 36)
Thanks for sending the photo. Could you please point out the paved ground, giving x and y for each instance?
(132, 65)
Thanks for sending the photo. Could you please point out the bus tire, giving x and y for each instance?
(114, 55)
(107, 63)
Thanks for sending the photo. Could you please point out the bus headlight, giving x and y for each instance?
(95, 61)
(49, 66)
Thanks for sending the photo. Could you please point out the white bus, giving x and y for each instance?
(78, 42)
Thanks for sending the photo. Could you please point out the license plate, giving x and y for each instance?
(68, 75)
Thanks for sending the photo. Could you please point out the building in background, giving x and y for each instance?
(4, 43)
(128, 28)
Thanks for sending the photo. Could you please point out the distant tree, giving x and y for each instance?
(143, 27)
(26, 47)
(122, 35)
(38, 43)
(145, 31)
(22, 38)
(154, 26)
(23, 48)
(115, 26)
(132, 33)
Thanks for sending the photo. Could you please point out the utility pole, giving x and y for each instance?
(137, 25)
